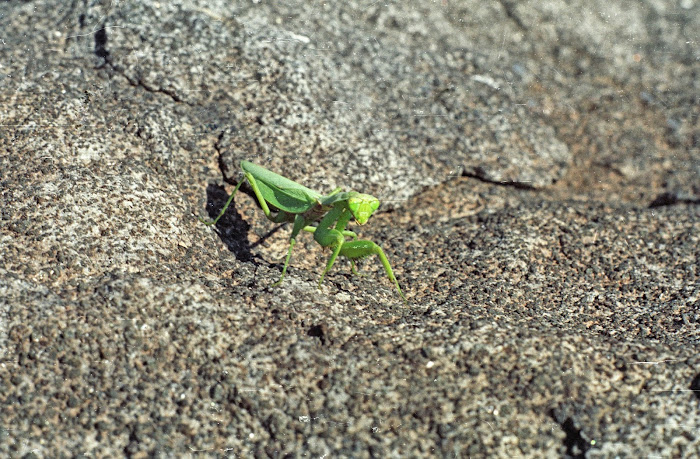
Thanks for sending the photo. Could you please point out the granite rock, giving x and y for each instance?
(538, 164)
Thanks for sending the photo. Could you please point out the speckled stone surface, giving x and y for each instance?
(540, 172)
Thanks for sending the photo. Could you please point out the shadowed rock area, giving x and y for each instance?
(539, 169)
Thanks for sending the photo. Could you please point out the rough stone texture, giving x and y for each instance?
(540, 165)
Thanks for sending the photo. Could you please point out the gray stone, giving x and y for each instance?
(539, 163)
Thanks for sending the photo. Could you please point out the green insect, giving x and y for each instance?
(304, 207)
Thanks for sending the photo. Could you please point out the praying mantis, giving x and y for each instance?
(304, 207)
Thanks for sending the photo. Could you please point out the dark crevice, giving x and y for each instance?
(695, 386)
(140, 84)
(509, 9)
(222, 164)
(317, 331)
(132, 446)
(167, 92)
(479, 174)
(101, 44)
(102, 52)
(575, 441)
(576, 446)
(671, 198)
(245, 188)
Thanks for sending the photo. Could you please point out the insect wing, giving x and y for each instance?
(333, 198)
(290, 200)
(281, 192)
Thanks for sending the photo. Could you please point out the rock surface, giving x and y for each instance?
(540, 173)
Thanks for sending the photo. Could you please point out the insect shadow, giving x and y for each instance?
(232, 229)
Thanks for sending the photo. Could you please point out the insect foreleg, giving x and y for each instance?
(312, 229)
(280, 217)
(331, 237)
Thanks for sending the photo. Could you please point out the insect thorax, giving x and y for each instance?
(316, 212)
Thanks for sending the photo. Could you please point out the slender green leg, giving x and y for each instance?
(354, 271)
(363, 248)
(339, 240)
(279, 218)
(328, 237)
(299, 224)
(223, 211)
(281, 215)
(312, 229)
(292, 241)
(352, 249)
(330, 231)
